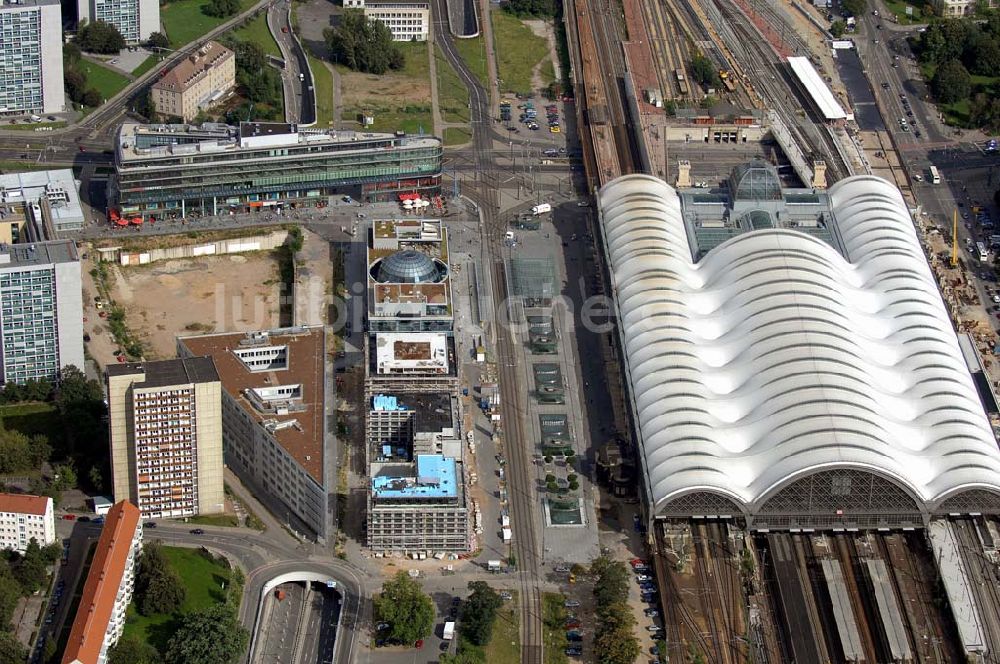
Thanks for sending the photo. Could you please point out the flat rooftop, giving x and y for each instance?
(431, 476)
(58, 186)
(411, 352)
(161, 373)
(164, 141)
(418, 230)
(434, 411)
(302, 362)
(38, 254)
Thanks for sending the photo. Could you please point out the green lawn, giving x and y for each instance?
(104, 80)
(453, 98)
(32, 418)
(898, 7)
(323, 87)
(957, 114)
(505, 644)
(32, 126)
(390, 115)
(256, 31)
(474, 55)
(553, 620)
(224, 520)
(411, 119)
(202, 578)
(518, 51)
(146, 65)
(184, 21)
(457, 136)
(7, 166)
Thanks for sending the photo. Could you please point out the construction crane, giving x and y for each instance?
(954, 240)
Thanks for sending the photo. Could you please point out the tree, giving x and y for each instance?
(51, 553)
(30, 570)
(479, 613)
(984, 112)
(837, 29)
(211, 636)
(616, 646)
(703, 71)
(523, 8)
(158, 588)
(99, 37)
(363, 44)
(130, 650)
(854, 7)
(408, 610)
(10, 592)
(612, 582)
(159, 40)
(11, 650)
(951, 82)
(983, 57)
(222, 8)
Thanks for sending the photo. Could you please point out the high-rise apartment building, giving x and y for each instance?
(166, 436)
(41, 310)
(24, 518)
(135, 19)
(100, 618)
(31, 65)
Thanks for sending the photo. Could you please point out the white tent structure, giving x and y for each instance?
(783, 381)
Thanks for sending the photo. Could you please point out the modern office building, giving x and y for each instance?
(135, 19)
(198, 82)
(165, 420)
(100, 618)
(409, 284)
(47, 200)
(407, 21)
(24, 518)
(416, 501)
(31, 63)
(260, 166)
(788, 359)
(275, 410)
(41, 309)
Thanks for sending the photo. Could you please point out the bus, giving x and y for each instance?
(935, 175)
(984, 255)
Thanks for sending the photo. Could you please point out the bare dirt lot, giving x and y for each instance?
(174, 298)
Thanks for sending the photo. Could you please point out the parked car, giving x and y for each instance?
(643, 577)
(149, 524)
(571, 603)
(573, 651)
(197, 531)
(651, 613)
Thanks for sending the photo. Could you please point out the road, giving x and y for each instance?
(296, 78)
(524, 514)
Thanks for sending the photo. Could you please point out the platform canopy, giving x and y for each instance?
(812, 82)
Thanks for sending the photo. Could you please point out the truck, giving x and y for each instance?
(507, 535)
(449, 631)
(541, 208)
(493, 566)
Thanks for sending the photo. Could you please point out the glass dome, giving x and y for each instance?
(409, 267)
(755, 181)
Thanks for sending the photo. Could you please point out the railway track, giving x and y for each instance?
(522, 503)
(983, 582)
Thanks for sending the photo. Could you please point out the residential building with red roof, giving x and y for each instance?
(107, 592)
(23, 518)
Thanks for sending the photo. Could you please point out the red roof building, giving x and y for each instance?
(106, 594)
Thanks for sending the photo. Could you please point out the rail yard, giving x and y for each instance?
(823, 597)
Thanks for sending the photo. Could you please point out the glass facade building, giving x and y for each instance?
(216, 168)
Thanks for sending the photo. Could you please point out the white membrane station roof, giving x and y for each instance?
(779, 377)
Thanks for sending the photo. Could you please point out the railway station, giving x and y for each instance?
(815, 454)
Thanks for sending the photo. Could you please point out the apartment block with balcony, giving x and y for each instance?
(41, 309)
(107, 592)
(200, 81)
(135, 19)
(166, 436)
(24, 518)
(31, 64)
(275, 431)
